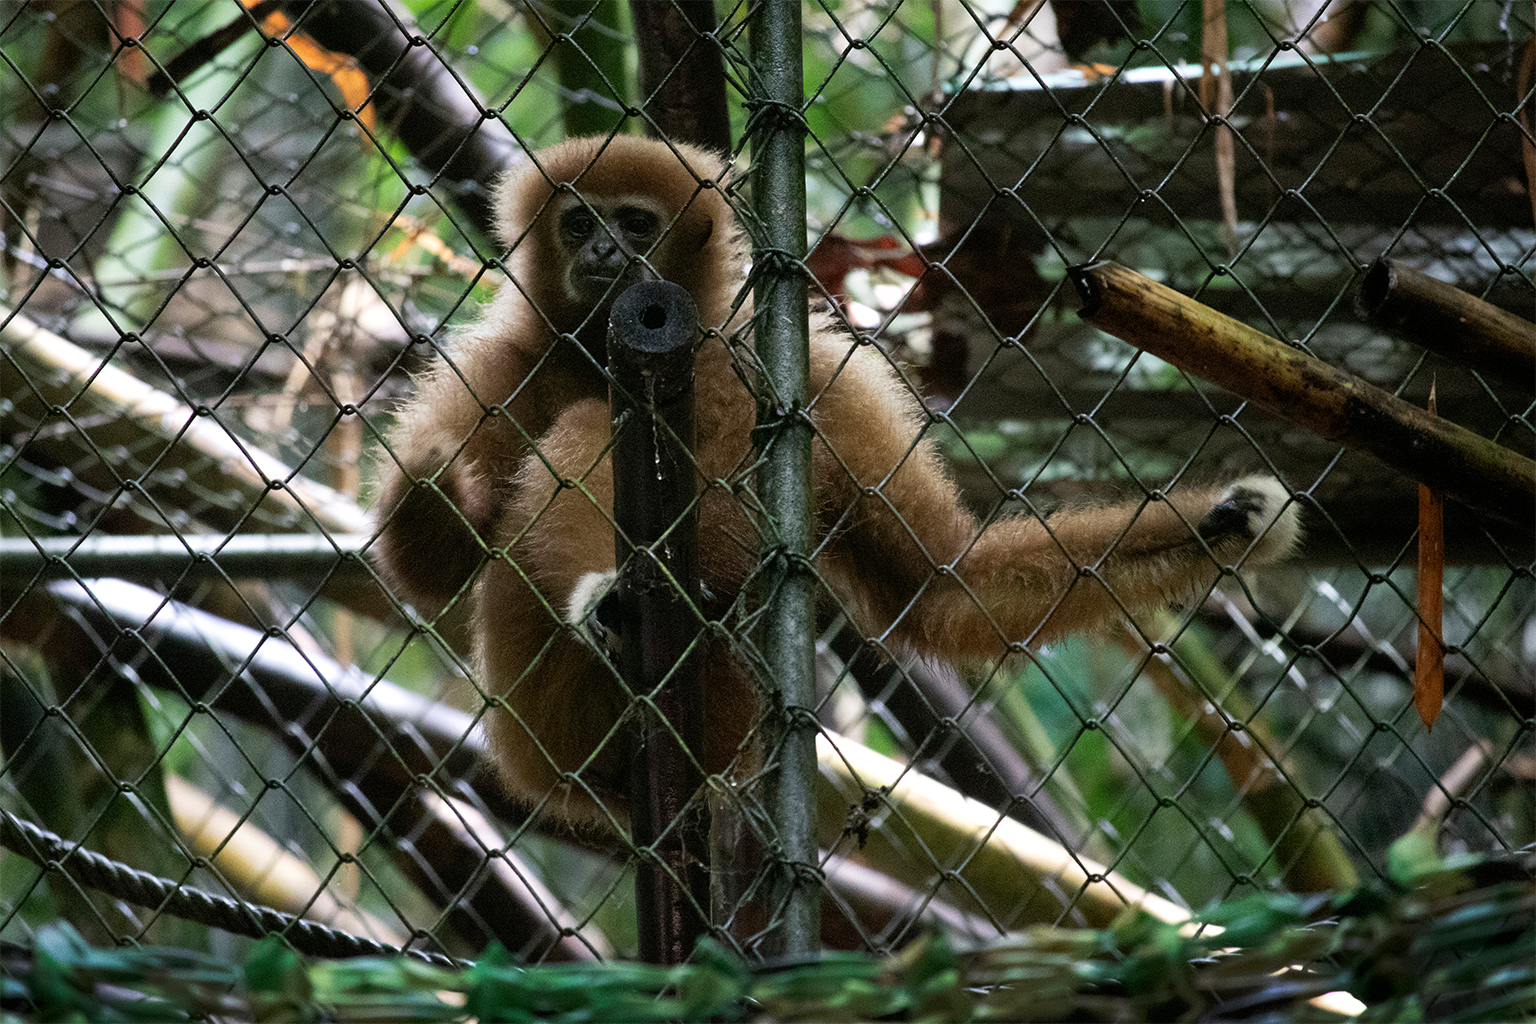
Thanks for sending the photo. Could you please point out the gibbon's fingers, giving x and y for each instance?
(1135, 557)
(589, 593)
(1254, 510)
(590, 609)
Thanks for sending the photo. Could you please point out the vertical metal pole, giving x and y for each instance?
(784, 481)
(650, 354)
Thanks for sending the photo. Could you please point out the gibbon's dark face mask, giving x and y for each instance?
(607, 244)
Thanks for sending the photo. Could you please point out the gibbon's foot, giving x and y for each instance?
(593, 610)
(1254, 507)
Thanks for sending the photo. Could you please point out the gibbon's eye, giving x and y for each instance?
(578, 223)
(637, 223)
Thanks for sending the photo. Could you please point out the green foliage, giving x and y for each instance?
(1412, 855)
(1456, 946)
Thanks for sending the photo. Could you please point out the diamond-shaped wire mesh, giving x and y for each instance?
(217, 291)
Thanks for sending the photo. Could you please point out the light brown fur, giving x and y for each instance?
(896, 548)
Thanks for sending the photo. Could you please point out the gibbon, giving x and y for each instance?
(498, 486)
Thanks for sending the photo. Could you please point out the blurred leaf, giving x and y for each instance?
(273, 967)
(1413, 855)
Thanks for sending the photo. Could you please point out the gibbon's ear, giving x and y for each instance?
(706, 232)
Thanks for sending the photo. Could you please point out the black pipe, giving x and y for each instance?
(651, 334)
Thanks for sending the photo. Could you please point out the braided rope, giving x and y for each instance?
(143, 889)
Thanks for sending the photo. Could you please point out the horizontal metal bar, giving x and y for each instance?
(265, 556)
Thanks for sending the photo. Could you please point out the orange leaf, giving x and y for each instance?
(350, 80)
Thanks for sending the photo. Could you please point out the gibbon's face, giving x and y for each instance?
(605, 243)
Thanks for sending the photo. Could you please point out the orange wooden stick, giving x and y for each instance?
(1429, 664)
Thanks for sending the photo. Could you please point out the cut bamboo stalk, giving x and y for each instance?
(1449, 322)
(1290, 383)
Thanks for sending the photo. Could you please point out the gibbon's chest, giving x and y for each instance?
(724, 414)
(564, 376)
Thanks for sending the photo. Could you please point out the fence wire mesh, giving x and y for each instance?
(234, 235)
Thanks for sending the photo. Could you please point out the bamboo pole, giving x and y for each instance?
(1429, 658)
(1449, 322)
(73, 381)
(996, 861)
(1286, 381)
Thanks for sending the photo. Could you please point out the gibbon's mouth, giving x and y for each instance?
(594, 283)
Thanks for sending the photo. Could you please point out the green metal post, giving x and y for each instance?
(782, 337)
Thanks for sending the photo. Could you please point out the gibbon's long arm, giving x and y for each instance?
(450, 464)
(561, 697)
(905, 557)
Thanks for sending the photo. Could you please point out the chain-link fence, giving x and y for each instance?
(238, 238)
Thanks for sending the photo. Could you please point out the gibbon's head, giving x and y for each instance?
(588, 217)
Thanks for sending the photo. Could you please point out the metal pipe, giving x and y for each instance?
(335, 564)
(777, 133)
(1449, 322)
(651, 334)
(183, 556)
